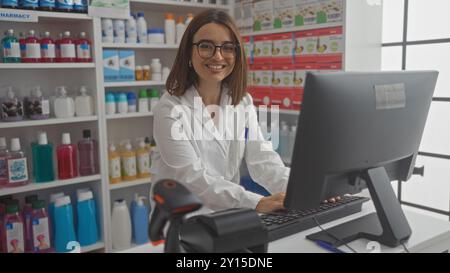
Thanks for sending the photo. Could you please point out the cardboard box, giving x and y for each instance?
(305, 12)
(262, 49)
(330, 11)
(111, 67)
(283, 98)
(283, 76)
(330, 44)
(305, 46)
(262, 15)
(300, 73)
(284, 13)
(282, 48)
(262, 76)
(127, 65)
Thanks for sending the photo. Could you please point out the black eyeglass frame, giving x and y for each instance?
(236, 47)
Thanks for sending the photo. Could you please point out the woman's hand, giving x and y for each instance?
(271, 203)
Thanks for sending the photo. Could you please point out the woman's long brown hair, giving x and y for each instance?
(183, 76)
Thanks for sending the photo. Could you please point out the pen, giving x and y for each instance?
(329, 247)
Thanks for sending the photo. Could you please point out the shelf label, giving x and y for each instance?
(17, 16)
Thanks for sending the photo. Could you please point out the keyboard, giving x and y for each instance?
(287, 222)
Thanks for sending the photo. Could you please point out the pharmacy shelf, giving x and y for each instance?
(293, 29)
(48, 16)
(129, 115)
(52, 121)
(128, 184)
(45, 65)
(140, 46)
(49, 185)
(94, 247)
(134, 84)
(175, 6)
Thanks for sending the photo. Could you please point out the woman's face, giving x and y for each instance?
(216, 68)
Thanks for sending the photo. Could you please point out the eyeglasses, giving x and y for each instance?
(207, 49)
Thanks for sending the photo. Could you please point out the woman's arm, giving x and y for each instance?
(264, 164)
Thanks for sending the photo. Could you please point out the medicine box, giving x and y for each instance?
(111, 66)
(127, 65)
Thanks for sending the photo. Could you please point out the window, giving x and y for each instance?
(416, 36)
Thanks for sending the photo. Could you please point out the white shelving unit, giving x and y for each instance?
(46, 65)
(52, 121)
(129, 115)
(294, 29)
(128, 184)
(134, 84)
(140, 46)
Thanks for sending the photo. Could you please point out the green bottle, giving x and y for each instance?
(10, 48)
(43, 170)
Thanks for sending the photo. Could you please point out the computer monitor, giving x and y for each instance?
(359, 130)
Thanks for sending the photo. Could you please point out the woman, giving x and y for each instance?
(207, 78)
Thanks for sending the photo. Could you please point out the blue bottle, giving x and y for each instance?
(12, 4)
(29, 4)
(51, 212)
(140, 215)
(64, 228)
(47, 5)
(132, 102)
(43, 170)
(80, 6)
(87, 221)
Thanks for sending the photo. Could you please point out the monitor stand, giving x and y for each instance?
(388, 225)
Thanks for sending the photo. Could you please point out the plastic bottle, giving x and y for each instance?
(66, 154)
(43, 159)
(181, 28)
(58, 48)
(143, 101)
(67, 46)
(107, 30)
(139, 73)
(87, 228)
(119, 31)
(17, 165)
(41, 241)
(29, 4)
(64, 106)
(27, 213)
(189, 18)
(120, 225)
(47, 5)
(10, 48)
(110, 104)
(51, 212)
(12, 106)
(3, 201)
(156, 70)
(48, 51)
(115, 175)
(128, 163)
(122, 103)
(141, 28)
(132, 107)
(33, 49)
(169, 28)
(140, 216)
(64, 227)
(143, 160)
(14, 230)
(146, 72)
(3, 168)
(12, 4)
(83, 49)
(88, 153)
(80, 6)
(154, 98)
(131, 30)
(37, 106)
(84, 104)
(155, 35)
(64, 5)
(22, 45)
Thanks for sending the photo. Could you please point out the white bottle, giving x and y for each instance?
(84, 104)
(64, 105)
(189, 18)
(121, 225)
(169, 28)
(131, 30)
(119, 31)
(107, 30)
(180, 29)
(141, 28)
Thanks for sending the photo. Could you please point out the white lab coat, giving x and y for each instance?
(210, 168)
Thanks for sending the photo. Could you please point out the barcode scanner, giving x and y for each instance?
(173, 201)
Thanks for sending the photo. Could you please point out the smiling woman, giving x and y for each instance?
(208, 77)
